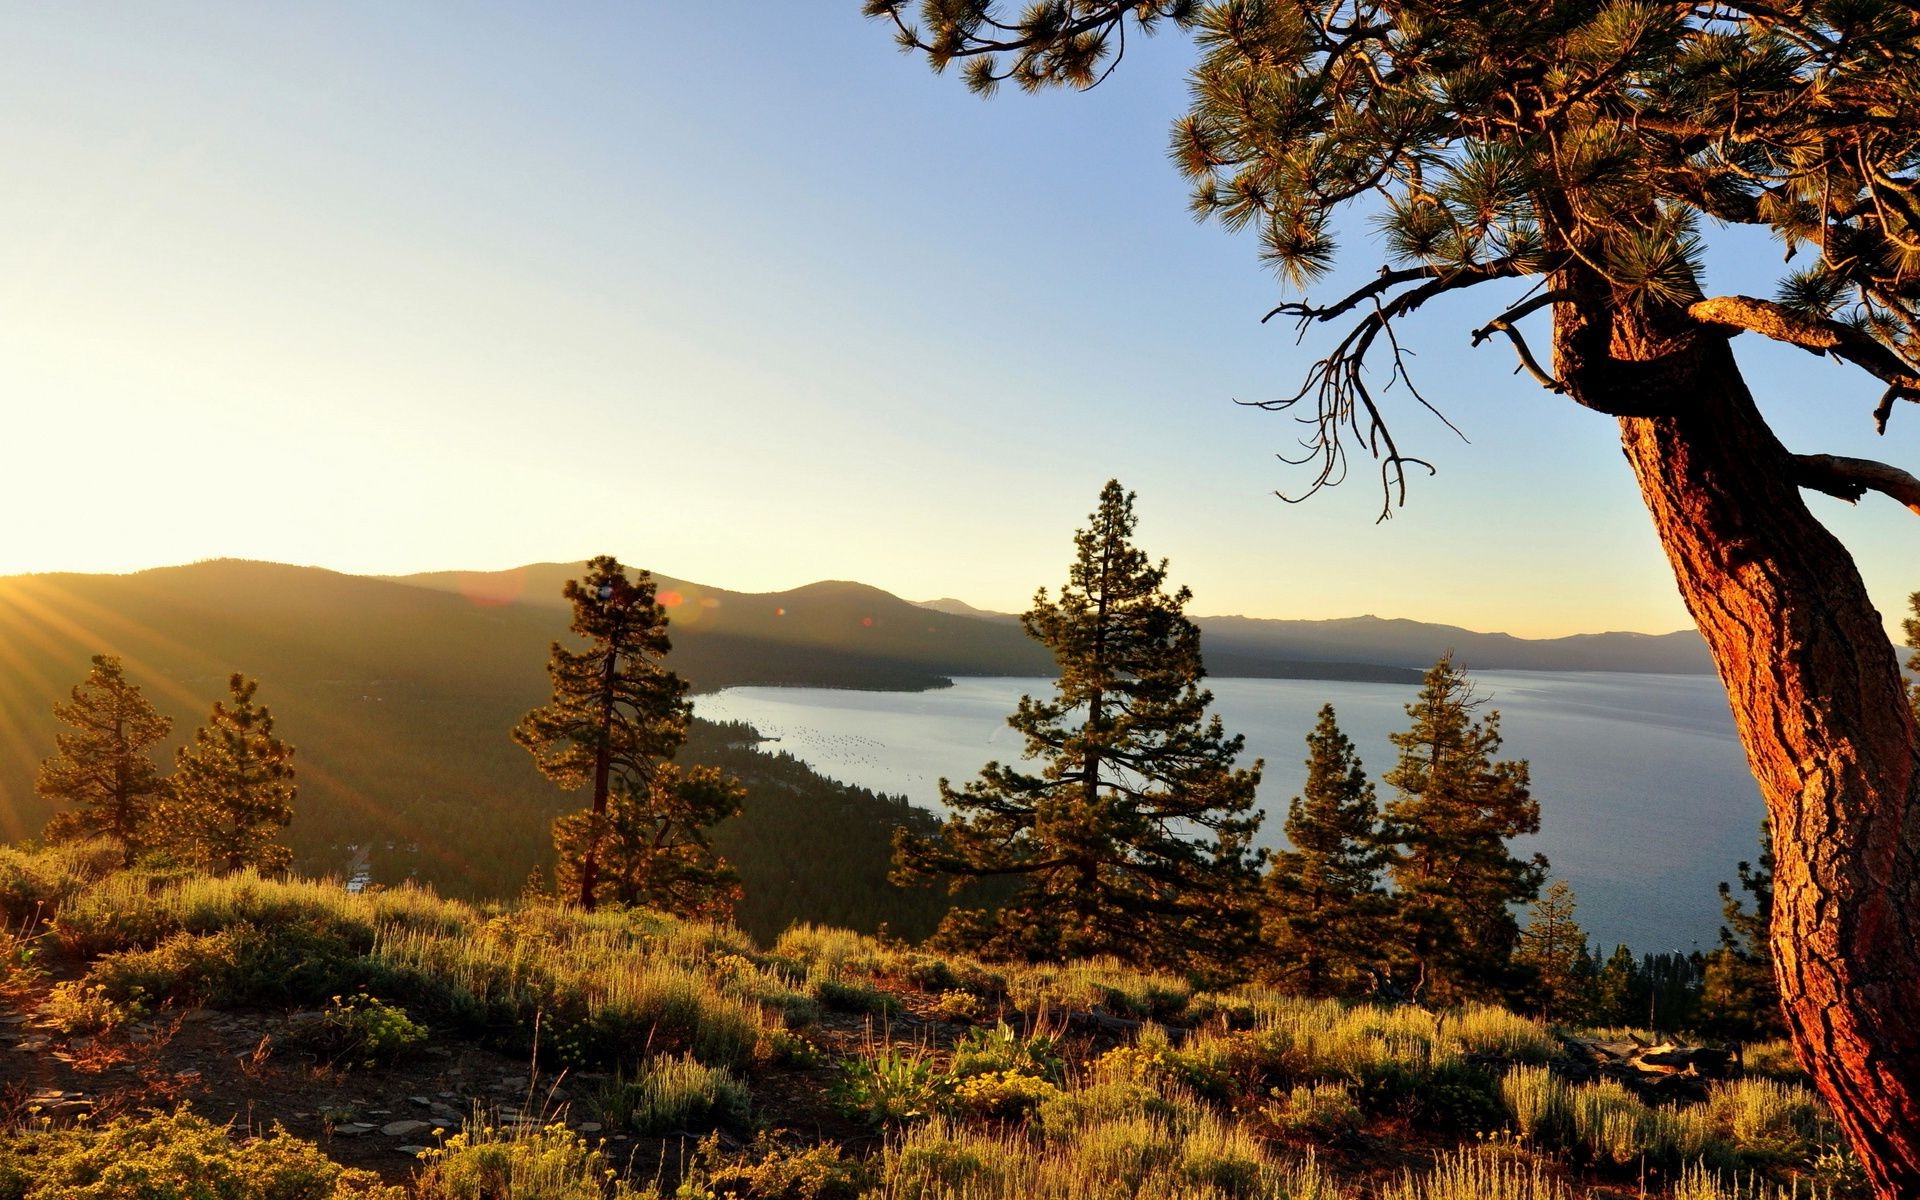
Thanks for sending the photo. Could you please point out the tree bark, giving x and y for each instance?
(1819, 703)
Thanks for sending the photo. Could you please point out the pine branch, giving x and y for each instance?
(1850, 479)
(1821, 336)
(1504, 323)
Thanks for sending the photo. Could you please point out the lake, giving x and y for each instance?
(1645, 800)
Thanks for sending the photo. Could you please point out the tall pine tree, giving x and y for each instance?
(1128, 831)
(1553, 953)
(616, 719)
(1322, 903)
(102, 768)
(232, 788)
(1455, 879)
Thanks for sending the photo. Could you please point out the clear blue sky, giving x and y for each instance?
(739, 293)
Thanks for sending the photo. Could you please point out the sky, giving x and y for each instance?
(742, 295)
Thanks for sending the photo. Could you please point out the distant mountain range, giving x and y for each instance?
(1268, 648)
(399, 692)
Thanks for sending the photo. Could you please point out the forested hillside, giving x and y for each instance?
(398, 700)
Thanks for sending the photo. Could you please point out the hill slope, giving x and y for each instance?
(398, 700)
(398, 694)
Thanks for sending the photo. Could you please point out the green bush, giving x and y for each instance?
(242, 964)
(767, 1171)
(362, 1031)
(1458, 1098)
(173, 1157)
(840, 995)
(892, 1085)
(1322, 1112)
(76, 1006)
(1001, 1050)
(673, 1094)
(35, 884)
(525, 1162)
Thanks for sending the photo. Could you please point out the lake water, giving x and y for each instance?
(1645, 800)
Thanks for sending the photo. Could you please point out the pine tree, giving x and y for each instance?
(1553, 953)
(654, 845)
(1569, 161)
(1129, 832)
(616, 719)
(102, 768)
(1618, 995)
(1454, 808)
(1739, 997)
(232, 788)
(1322, 903)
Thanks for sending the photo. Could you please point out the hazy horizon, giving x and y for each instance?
(1195, 609)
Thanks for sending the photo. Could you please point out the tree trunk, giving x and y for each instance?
(1819, 703)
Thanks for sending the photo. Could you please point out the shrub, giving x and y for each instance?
(843, 996)
(1772, 1060)
(891, 1085)
(834, 953)
(362, 1031)
(1002, 1050)
(673, 1094)
(1766, 1120)
(76, 1006)
(178, 1156)
(1539, 1103)
(771, 1172)
(1467, 1175)
(551, 1162)
(241, 964)
(34, 884)
(1325, 1112)
(960, 1007)
(1003, 1095)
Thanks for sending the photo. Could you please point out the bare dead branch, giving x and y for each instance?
(1452, 277)
(1851, 478)
(1504, 323)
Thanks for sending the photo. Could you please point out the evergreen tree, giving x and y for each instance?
(1619, 992)
(102, 768)
(1322, 903)
(616, 719)
(1129, 833)
(1553, 953)
(1586, 152)
(232, 788)
(1739, 997)
(654, 844)
(1454, 808)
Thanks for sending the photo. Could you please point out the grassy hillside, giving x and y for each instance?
(411, 1046)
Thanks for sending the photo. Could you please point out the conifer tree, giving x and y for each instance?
(616, 719)
(1739, 996)
(1569, 160)
(102, 768)
(1619, 992)
(1553, 953)
(1128, 831)
(232, 788)
(1322, 903)
(1453, 810)
(654, 846)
